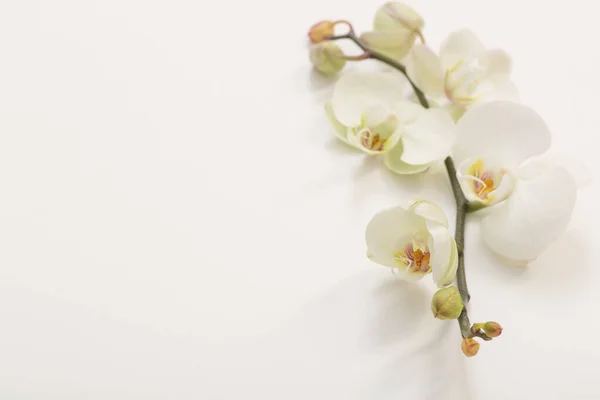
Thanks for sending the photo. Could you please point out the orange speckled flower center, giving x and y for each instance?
(375, 136)
(372, 141)
(413, 260)
(483, 184)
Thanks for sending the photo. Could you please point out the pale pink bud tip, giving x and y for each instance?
(470, 347)
(319, 31)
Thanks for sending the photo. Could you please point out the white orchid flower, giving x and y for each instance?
(494, 151)
(371, 112)
(395, 28)
(414, 242)
(463, 74)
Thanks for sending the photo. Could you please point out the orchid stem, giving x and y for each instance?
(462, 204)
(462, 208)
(384, 59)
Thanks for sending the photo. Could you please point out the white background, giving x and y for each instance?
(177, 222)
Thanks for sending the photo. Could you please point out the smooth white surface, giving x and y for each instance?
(176, 222)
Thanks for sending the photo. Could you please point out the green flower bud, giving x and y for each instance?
(492, 329)
(470, 347)
(397, 16)
(447, 303)
(395, 29)
(327, 57)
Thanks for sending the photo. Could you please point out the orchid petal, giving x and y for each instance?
(428, 138)
(355, 92)
(501, 130)
(534, 216)
(444, 260)
(429, 211)
(393, 160)
(425, 69)
(340, 130)
(462, 44)
(496, 62)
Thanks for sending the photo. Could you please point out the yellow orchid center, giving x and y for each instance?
(483, 183)
(374, 137)
(414, 260)
(373, 142)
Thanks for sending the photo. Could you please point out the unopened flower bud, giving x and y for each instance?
(470, 347)
(492, 329)
(397, 16)
(327, 57)
(319, 31)
(395, 28)
(446, 303)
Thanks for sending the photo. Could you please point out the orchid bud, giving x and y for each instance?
(397, 16)
(319, 31)
(470, 347)
(395, 28)
(492, 329)
(447, 303)
(327, 57)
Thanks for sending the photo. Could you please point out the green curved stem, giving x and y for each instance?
(384, 59)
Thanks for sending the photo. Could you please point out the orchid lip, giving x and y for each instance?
(414, 257)
(481, 183)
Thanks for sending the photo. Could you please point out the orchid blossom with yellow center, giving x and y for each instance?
(414, 242)
(464, 73)
(372, 112)
(497, 149)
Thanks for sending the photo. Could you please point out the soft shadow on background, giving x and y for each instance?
(376, 331)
